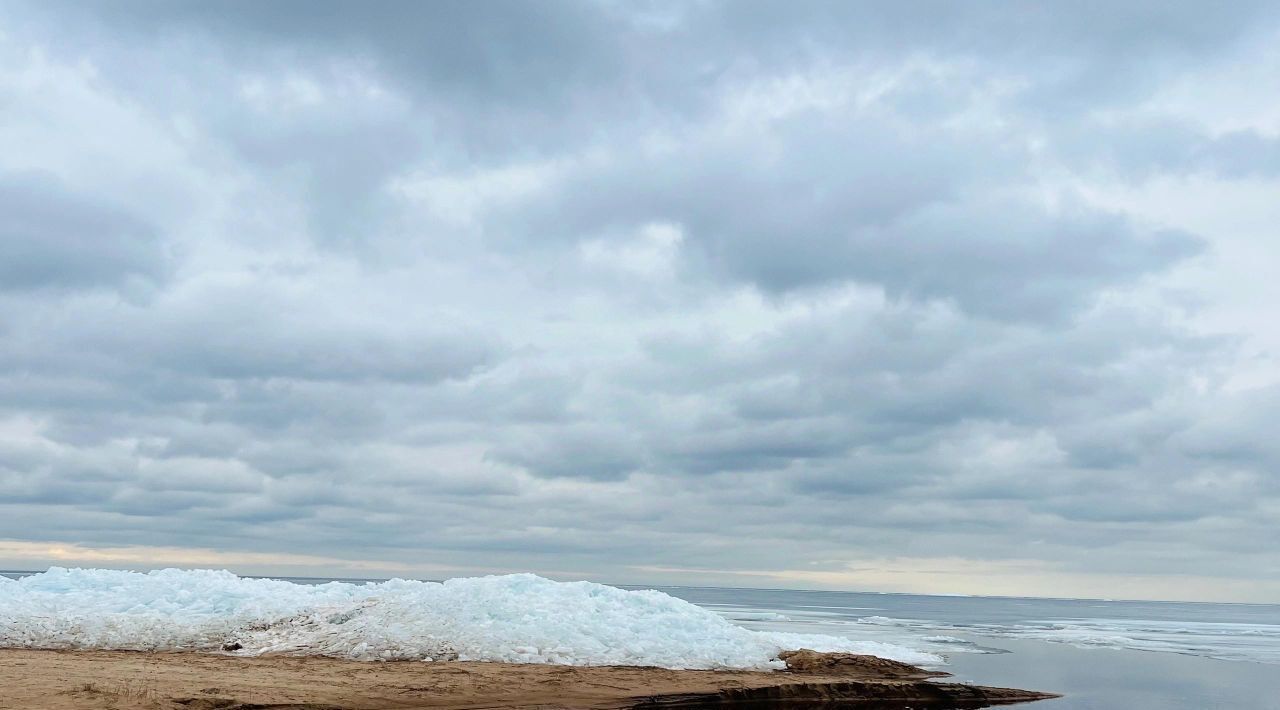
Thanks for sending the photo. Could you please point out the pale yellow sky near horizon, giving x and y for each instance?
(938, 576)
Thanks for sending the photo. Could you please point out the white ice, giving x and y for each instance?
(515, 618)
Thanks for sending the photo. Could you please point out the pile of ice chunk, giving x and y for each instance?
(519, 618)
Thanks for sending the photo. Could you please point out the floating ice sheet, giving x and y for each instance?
(1259, 643)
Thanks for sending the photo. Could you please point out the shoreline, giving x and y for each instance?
(133, 680)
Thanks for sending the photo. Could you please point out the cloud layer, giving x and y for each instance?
(853, 295)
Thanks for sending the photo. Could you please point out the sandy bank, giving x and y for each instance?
(120, 680)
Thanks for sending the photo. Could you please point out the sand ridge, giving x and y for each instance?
(125, 680)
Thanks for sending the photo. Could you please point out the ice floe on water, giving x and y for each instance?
(1226, 641)
(743, 614)
(514, 618)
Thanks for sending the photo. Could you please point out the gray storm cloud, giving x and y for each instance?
(659, 292)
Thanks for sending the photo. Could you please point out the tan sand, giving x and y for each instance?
(123, 680)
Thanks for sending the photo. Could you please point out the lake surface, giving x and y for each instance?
(1101, 655)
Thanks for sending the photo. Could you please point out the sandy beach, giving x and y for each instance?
(123, 680)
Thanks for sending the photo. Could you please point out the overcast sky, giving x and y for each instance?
(940, 297)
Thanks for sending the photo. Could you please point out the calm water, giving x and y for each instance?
(1102, 655)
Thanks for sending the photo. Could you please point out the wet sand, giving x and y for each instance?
(124, 680)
